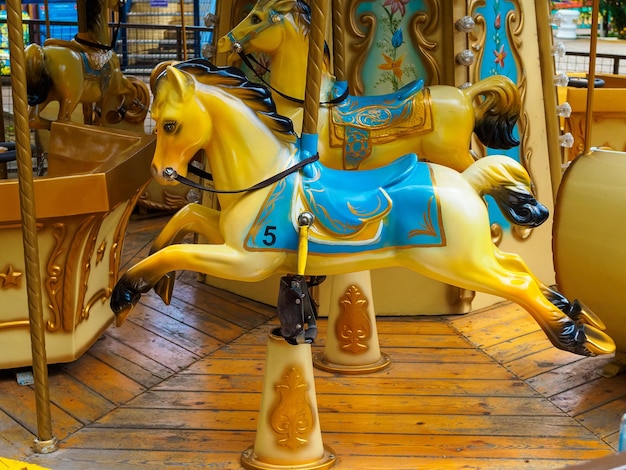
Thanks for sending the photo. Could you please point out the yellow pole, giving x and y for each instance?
(45, 441)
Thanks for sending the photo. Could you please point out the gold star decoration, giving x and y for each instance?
(11, 278)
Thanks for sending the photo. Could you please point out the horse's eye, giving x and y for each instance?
(169, 127)
(255, 19)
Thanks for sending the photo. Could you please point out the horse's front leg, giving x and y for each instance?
(215, 260)
(34, 118)
(193, 218)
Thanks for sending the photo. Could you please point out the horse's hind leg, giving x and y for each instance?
(574, 309)
(481, 271)
(193, 218)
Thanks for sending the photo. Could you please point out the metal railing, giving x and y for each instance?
(579, 62)
(140, 47)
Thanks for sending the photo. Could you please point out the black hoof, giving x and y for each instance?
(575, 310)
(123, 298)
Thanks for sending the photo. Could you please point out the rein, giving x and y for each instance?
(248, 59)
(170, 173)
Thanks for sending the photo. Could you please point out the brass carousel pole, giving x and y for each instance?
(45, 441)
(593, 44)
(339, 48)
(282, 406)
(45, 4)
(183, 28)
(314, 70)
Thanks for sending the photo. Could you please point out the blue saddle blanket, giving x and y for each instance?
(355, 211)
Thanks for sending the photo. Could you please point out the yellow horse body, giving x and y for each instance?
(245, 141)
(73, 74)
(279, 28)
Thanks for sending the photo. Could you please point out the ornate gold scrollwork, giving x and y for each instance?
(353, 327)
(292, 417)
(102, 295)
(100, 253)
(90, 246)
(54, 281)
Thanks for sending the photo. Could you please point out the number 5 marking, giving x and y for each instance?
(270, 236)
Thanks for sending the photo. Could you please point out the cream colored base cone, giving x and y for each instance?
(351, 345)
(288, 431)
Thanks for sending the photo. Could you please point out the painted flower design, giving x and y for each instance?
(393, 44)
(397, 6)
(397, 39)
(498, 21)
(394, 65)
(500, 55)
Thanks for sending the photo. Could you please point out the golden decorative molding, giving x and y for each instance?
(53, 283)
(14, 324)
(102, 295)
(292, 417)
(90, 247)
(353, 327)
(100, 252)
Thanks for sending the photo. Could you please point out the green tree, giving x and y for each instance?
(615, 11)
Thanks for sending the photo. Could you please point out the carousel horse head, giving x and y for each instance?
(187, 98)
(264, 29)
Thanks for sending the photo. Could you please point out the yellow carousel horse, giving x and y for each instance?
(73, 73)
(422, 216)
(434, 122)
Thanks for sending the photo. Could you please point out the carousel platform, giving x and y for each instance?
(179, 386)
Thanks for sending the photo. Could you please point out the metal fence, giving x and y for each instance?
(579, 62)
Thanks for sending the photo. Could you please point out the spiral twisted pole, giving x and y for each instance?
(45, 441)
(339, 47)
(314, 66)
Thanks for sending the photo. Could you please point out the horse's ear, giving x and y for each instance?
(181, 82)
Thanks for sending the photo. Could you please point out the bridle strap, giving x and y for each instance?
(170, 173)
(248, 59)
(194, 170)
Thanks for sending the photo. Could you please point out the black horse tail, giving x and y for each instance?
(497, 112)
(508, 182)
(38, 82)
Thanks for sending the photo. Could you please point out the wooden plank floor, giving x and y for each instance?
(180, 386)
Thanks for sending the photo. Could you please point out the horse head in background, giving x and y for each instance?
(421, 216)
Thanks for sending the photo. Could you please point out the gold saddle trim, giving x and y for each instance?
(418, 120)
